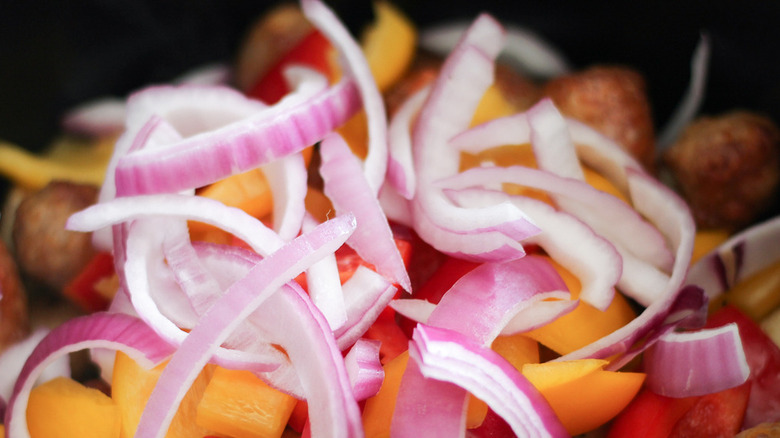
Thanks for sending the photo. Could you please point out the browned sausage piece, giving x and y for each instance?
(273, 35)
(45, 250)
(612, 100)
(14, 322)
(727, 167)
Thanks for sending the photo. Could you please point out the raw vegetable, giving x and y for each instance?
(63, 407)
(213, 230)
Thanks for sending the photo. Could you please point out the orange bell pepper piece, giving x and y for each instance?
(585, 323)
(239, 404)
(582, 394)
(131, 386)
(65, 408)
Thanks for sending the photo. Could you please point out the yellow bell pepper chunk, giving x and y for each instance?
(759, 294)
(706, 241)
(238, 404)
(65, 408)
(131, 386)
(68, 160)
(583, 395)
(585, 323)
(389, 44)
(378, 410)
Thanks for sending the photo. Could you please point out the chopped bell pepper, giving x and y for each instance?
(88, 289)
(65, 408)
(583, 395)
(238, 404)
(131, 386)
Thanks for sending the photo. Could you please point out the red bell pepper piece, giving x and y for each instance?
(82, 289)
(716, 415)
(763, 357)
(313, 51)
(650, 415)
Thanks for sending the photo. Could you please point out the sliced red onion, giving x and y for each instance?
(400, 166)
(675, 303)
(187, 268)
(641, 280)
(229, 311)
(512, 129)
(366, 294)
(479, 305)
(587, 255)
(287, 180)
(375, 164)
(449, 356)
(98, 330)
(299, 120)
(324, 285)
(99, 117)
(685, 364)
(553, 147)
(741, 256)
(364, 369)
(689, 105)
(525, 50)
(14, 356)
(471, 233)
(349, 191)
(396, 207)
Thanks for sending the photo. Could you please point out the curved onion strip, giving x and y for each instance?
(98, 330)
(15, 355)
(98, 117)
(542, 309)
(465, 76)
(512, 129)
(324, 284)
(375, 164)
(233, 220)
(587, 255)
(287, 180)
(396, 207)
(289, 319)
(695, 363)
(366, 294)
(349, 191)
(238, 301)
(299, 120)
(187, 268)
(484, 300)
(673, 218)
(740, 257)
(689, 105)
(639, 279)
(553, 147)
(400, 166)
(454, 358)
(188, 108)
(364, 369)
(143, 244)
(479, 305)
(524, 49)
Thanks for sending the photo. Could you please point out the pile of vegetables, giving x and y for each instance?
(298, 260)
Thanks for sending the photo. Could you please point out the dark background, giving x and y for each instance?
(57, 53)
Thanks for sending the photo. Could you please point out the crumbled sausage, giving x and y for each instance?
(45, 251)
(613, 100)
(14, 320)
(727, 167)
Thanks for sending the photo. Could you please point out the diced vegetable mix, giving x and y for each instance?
(585, 391)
